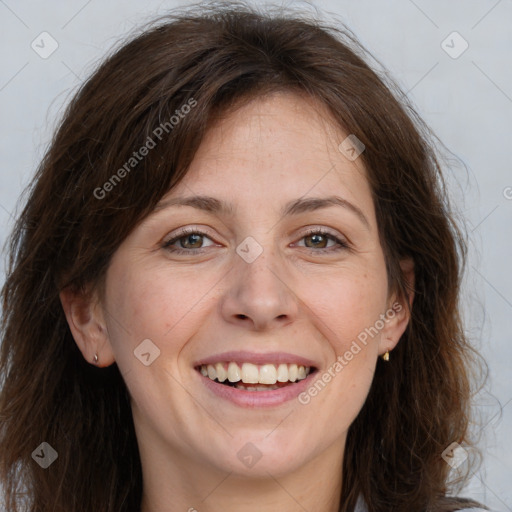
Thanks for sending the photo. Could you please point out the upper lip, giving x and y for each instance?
(243, 356)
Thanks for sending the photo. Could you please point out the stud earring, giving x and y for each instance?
(385, 356)
(95, 358)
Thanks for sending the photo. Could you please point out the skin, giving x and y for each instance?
(293, 298)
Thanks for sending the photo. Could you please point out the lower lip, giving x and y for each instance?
(253, 399)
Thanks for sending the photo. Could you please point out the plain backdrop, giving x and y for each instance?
(460, 83)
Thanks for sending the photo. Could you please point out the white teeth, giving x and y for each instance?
(233, 372)
(211, 372)
(249, 373)
(268, 374)
(256, 388)
(282, 373)
(222, 374)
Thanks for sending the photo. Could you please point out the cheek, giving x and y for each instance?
(346, 311)
(155, 302)
(349, 305)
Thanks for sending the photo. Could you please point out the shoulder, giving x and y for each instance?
(361, 507)
(474, 510)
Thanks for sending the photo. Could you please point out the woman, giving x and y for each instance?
(235, 219)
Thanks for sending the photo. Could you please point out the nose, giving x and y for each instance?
(259, 294)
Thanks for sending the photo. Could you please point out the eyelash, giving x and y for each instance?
(342, 245)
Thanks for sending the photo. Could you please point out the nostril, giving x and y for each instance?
(241, 316)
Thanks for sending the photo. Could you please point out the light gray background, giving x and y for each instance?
(466, 100)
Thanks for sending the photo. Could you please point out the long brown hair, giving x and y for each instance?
(218, 57)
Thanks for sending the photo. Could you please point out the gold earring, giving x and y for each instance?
(385, 356)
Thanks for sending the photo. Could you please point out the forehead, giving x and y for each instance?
(278, 147)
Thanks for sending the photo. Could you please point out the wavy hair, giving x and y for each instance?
(221, 56)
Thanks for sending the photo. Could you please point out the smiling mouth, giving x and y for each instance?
(252, 377)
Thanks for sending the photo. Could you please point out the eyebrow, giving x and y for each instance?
(295, 207)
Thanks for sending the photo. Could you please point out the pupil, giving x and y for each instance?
(315, 239)
(198, 239)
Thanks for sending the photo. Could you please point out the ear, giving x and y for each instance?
(86, 321)
(398, 315)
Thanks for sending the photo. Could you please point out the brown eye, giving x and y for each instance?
(193, 241)
(188, 241)
(317, 240)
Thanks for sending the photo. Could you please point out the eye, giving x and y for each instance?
(317, 239)
(191, 240)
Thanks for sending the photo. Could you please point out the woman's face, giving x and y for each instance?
(281, 265)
